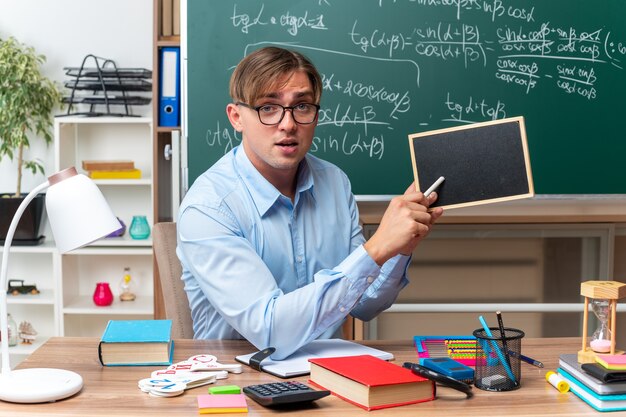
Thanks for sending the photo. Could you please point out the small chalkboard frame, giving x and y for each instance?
(482, 163)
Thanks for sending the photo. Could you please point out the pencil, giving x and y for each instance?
(503, 336)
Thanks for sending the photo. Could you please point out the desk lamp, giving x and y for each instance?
(78, 215)
(604, 296)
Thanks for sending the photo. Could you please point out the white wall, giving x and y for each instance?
(65, 31)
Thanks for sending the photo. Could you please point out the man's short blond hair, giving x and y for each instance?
(260, 71)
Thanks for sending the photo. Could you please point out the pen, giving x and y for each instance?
(526, 359)
(503, 361)
(503, 336)
(434, 186)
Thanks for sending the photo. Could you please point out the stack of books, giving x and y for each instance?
(101, 170)
(602, 388)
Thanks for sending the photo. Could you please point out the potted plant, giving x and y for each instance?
(27, 99)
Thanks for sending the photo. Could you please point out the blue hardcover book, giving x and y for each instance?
(136, 342)
(613, 402)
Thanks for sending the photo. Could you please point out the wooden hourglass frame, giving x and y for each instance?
(605, 290)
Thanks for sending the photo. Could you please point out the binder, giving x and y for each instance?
(169, 96)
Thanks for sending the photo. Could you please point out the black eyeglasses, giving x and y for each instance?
(272, 114)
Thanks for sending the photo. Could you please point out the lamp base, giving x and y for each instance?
(39, 385)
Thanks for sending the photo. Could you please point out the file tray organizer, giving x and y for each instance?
(104, 84)
(496, 369)
(460, 348)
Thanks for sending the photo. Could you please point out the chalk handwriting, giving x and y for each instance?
(222, 138)
(350, 145)
(292, 23)
(399, 100)
(510, 43)
(473, 110)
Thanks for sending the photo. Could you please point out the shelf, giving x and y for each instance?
(85, 305)
(45, 297)
(24, 349)
(168, 41)
(102, 120)
(46, 247)
(124, 241)
(166, 129)
(125, 182)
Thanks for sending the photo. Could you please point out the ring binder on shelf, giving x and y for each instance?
(169, 97)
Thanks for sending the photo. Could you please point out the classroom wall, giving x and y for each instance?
(65, 31)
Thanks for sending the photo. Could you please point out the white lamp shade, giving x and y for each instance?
(78, 213)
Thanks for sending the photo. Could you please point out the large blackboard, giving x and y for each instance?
(396, 67)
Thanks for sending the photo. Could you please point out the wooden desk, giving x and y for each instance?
(113, 391)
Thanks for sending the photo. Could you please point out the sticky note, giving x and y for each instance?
(222, 403)
(225, 389)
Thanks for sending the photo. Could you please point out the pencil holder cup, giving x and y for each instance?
(497, 359)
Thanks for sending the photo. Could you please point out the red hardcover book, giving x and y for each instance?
(369, 382)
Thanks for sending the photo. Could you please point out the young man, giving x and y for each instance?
(269, 236)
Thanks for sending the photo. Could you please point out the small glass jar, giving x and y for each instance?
(126, 286)
(103, 296)
(139, 228)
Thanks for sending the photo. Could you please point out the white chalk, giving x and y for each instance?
(434, 186)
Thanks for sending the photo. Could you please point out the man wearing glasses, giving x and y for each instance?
(269, 236)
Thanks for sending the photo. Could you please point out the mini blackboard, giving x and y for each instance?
(482, 163)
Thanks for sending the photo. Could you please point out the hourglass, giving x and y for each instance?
(604, 296)
(600, 341)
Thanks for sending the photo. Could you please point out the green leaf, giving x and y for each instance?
(27, 100)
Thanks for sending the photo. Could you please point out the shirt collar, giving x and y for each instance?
(263, 193)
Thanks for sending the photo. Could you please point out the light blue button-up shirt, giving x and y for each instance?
(259, 267)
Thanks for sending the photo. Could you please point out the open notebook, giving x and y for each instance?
(298, 363)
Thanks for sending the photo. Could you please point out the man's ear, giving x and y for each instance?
(232, 111)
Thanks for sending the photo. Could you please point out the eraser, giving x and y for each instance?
(225, 389)
(493, 380)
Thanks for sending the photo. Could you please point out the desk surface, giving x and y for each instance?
(113, 391)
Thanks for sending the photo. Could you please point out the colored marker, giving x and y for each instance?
(434, 186)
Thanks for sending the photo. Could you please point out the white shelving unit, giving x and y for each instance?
(65, 306)
(107, 138)
(34, 265)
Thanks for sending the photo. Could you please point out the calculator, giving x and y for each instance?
(279, 393)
